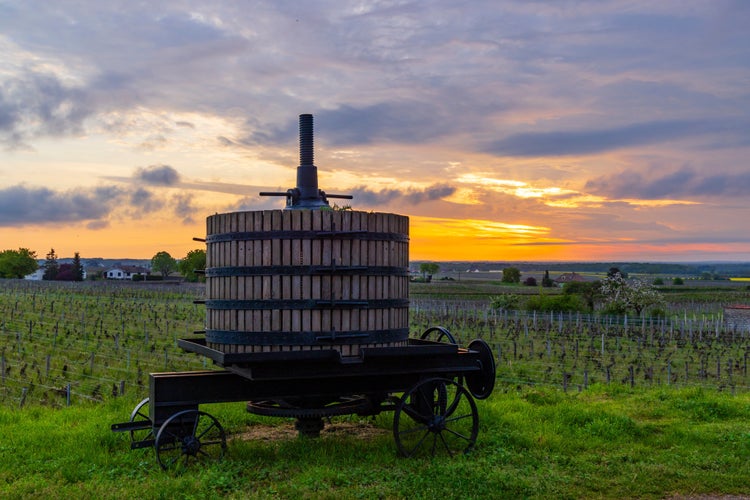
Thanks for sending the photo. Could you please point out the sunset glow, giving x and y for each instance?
(507, 130)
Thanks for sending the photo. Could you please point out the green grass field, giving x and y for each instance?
(607, 442)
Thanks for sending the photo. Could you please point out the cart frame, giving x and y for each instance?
(423, 383)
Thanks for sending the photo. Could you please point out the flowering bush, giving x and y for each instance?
(622, 295)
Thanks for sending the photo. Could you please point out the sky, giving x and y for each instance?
(529, 130)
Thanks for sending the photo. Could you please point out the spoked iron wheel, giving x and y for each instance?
(442, 334)
(140, 414)
(187, 437)
(437, 416)
(438, 334)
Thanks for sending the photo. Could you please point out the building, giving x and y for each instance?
(126, 272)
(569, 278)
(36, 275)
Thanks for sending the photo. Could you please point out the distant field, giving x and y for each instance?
(694, 296)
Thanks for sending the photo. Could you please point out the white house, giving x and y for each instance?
(36, 275)
(126, 272)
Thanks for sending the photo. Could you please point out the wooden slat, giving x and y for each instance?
(241, 261)
(234, 258)
(277, 258)
(307, 260)
(355, 281)
(286, 260)
(317, 260)
(346, 260)
(257, 280)
(296, 259)
(326, 288)
(267, 261)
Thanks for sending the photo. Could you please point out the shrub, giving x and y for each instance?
(511, 275)
(657, 312)
(508, 301)
(615, 308)
(588, 291)
(547, 282)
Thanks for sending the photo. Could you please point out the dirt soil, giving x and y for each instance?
(360, 430)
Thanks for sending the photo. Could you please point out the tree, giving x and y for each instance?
(195, 260)
(614, 271)
(678, 281)
(163, 263)
(634, 294)
(17, 263)
(428, 268)
(511, 275)
(51, 267)
(530, 281)
(505, 302)
(589, 291)
(77, 267)
(65, 273)
(547, 281)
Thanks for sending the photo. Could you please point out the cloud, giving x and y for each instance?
(96, 225)
(683, 182)
(399, 121)
(583, 142)
(158, 175)
(412, 196)
(153, 142)
(34, 104)
(183, 208)
(250, 203)
(225, 142)
(144, 201)
(21, 205)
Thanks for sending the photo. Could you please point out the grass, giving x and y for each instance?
(607, 442)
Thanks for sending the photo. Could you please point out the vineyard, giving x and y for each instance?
(572, 351)
(63, 343)
(67, 342)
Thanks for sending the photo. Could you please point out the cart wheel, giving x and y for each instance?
(189, 436)
(481, 383)
(140, 413)
(442, 333)
(436, 416)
